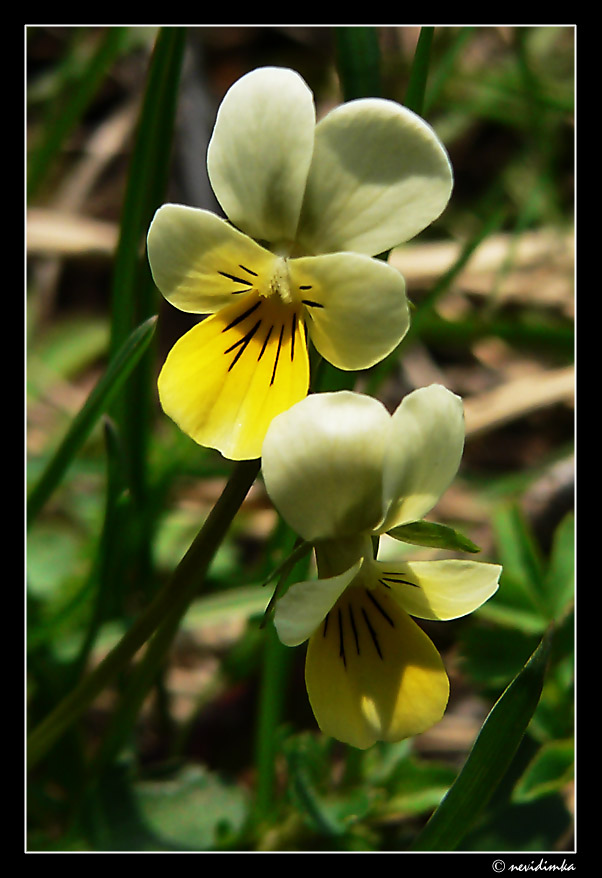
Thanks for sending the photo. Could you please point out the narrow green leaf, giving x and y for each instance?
(437, 536)
(520, 555)
(134, 294)
(414, 98)
(489, 758)
(71, 104)
(118, 370)
(358, 61)
(560, 575)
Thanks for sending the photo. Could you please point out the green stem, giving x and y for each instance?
(276, 664)
(168, 605)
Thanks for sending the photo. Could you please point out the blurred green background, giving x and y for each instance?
(219, 749)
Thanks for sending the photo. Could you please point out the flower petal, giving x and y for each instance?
(356, 307)
(260, 152)
(423, 454)
(322, 463)
(439, 590)
(379, 175)
(227, 377)
(371, 672)
(299, 612)
(199, 261)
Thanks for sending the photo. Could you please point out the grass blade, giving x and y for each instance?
(100, 398)
(69, 109)
(489, 758)
(134, 294)
(358, 62)
(414, 98)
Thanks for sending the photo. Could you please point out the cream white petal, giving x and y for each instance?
(423, 454)
(356, 307)
(260, 152)
(322, 464)
(379, 175)
(439, 590)
(200, 262)
(299, 612)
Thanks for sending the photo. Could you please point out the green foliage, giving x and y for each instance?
(429, 533)
(164, 713)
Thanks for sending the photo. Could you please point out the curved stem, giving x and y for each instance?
(170, 602)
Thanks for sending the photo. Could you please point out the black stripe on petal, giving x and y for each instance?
(237, 280)
(380, 609)
(277, 354)
(373, 634)
(293, 331)
(341, 640)
(265, 343)
(243, 342)
(242, 317)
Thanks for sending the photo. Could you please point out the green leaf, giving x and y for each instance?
(492, 656)
(194, 810)
(418, 787)
(358, 62)
(414, 98)
(520, 556)
(437, 536)
(489, 758)
(550, 771)
(560, 575)
(99, 399)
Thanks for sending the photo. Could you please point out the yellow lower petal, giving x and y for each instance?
(371, 672)
(227, 377)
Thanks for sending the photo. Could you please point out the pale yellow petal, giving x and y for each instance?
(260, 152)
(423, 455)
(445, 589)
(322, 464)
(225, 380)
(371, 672)
(200, 262)
(356, 307)
(379, 175)
(304, 606)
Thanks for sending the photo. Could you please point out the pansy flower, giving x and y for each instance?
(308, 206)
(342, 471)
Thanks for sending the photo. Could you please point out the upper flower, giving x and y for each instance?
(341, 470)
(308, 206)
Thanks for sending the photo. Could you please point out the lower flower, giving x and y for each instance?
(342, 472)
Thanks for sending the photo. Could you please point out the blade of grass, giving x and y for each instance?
(445, 67)
(276, 664)
(489, 758)
(173, 598)
(70, 105)
(133, 292)
(415, 91)
(118, 370)
(358, 62)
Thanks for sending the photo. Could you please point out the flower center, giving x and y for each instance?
(280, 284)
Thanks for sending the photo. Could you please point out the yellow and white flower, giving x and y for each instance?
(341, 470)
(308, 207)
